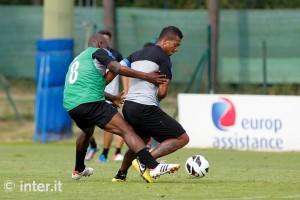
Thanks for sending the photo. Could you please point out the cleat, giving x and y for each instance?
(102, 159)
(120, 177)
(118, 157)
(118, 180)
(90, 154)
(88, 171)
(162, 169)
(141, 168)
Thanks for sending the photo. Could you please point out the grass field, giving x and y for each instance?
(232, 175)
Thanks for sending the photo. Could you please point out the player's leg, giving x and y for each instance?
(147, 165)
(163, 129)
(107, 117)
(172, 138)
(164, 148)
(135, 114)
(119, 126)
(119, 144)
(170, 145)
(168, 132)
(92, 149)
(107, 140)
(121, 175)
(82, 143)
(129, 156)
(93, 142)
(111, 88)
(82, 116)
(151, 121)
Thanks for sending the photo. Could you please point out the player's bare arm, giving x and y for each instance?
(109, 76)
(153, 77)
(125, 83)
(116, 100)
(163, 90)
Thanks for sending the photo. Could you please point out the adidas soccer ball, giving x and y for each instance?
(197, 166)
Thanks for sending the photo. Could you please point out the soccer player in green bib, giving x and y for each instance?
(84, 99)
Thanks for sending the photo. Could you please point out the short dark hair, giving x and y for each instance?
(170, 31)
(105, 32)
(149, 44)
(97, 40)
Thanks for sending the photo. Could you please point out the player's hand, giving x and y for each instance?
(119, 99)
(156, 78)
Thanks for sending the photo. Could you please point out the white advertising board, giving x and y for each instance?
(242, 122)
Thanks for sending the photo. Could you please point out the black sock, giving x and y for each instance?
(120, 172)
(146, 158)
(79, 164)
(118, 150)
(105, 152)
(121, 175)
(93, 143)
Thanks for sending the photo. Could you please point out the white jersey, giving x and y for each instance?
(147, 60)
(113, 86)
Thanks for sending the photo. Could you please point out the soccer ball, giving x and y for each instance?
(197, 166)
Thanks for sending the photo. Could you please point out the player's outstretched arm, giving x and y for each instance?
(153, 77)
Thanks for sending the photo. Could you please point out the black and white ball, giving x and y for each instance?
(197, 166)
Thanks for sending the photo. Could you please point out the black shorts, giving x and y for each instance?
(92, 114)
(150, 121)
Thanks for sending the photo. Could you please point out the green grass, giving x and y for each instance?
(232, 175)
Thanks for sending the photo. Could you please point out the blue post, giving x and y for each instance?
(52, 122)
